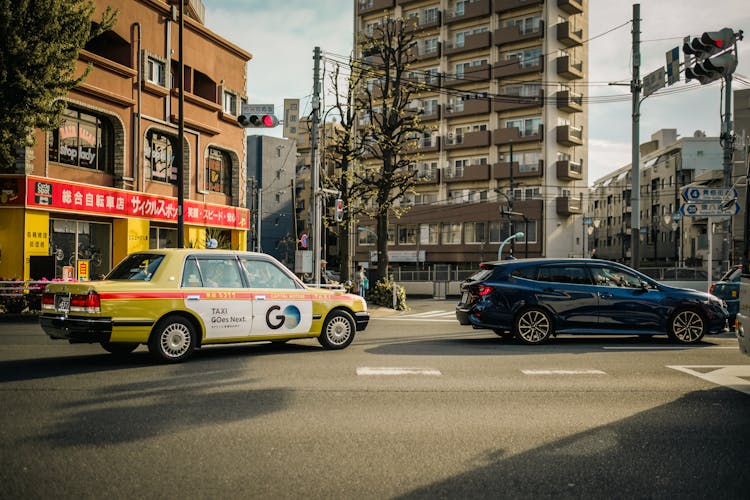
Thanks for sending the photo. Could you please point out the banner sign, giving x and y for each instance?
(54, 194)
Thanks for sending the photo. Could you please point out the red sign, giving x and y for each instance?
(73, 197)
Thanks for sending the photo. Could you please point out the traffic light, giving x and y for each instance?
(257, 121)
(705, 66)
(339, 210)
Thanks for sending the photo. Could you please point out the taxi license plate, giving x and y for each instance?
(62, 302)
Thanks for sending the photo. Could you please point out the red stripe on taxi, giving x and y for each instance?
(224, 295)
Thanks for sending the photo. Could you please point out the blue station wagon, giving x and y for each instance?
(534, 299)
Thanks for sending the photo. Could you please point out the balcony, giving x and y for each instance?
(472, 173)
(569, 170)
(420, 23)
(569, 69)
(423, 53)
(478, 139)
(516, 67)
(475, 74)
(513, 102)
(508, 5)
(501, 170)
(502, 136)
(568, 37)
(477, 41)
(406, 2)
(367, 6)
(425, 145)
(570, 102)
(471, 11)
(568, 206)
(568, 135)
(468, 107)
(430, 115)
(514, 34)
(571, 6)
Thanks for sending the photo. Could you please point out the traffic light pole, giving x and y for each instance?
(635, 88)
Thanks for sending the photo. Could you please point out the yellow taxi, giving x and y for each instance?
(177, 300)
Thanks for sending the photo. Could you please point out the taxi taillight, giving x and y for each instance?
(89, 302)
(48, 300)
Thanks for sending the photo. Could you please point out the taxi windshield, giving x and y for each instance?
(136, 267)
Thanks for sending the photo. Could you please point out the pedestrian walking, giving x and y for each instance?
(361, 279)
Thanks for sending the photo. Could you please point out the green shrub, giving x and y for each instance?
(382, 294)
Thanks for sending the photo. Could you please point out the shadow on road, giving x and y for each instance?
(694, 447)
(484, 345)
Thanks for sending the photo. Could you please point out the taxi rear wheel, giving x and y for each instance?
(338, 330)
(173, 339)
(119, 348)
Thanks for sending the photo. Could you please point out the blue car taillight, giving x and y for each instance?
(483, 290)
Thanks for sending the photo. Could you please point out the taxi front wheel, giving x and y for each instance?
(338, 330)
(173, 339)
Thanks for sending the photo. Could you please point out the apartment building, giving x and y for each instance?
(105, 183)
(504, 107)
(668, 163)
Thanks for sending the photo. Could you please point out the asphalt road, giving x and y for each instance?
(416, 407)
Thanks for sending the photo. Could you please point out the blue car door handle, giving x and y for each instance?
(605, 295)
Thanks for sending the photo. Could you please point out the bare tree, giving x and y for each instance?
(394, 125)
(344, 155)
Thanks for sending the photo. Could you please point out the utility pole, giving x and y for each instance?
(315, 174)
(510, 203)
(635, 89)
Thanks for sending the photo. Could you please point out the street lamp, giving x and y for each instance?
(513, 237)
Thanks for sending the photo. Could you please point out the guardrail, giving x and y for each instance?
(18, 296)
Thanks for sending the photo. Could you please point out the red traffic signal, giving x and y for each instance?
(257, 121)
(339, 210)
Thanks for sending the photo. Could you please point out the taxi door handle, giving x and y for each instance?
(193, 297)
(260, 297)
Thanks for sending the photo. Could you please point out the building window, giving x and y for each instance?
(82, 140)
(474, 232)
(450, 234)
(526, 126)
(219, 172)
(230, 103)
(429, 234)
(162, 237)
(499, 231)
(407, 235)
(156, 71)
(158, 152)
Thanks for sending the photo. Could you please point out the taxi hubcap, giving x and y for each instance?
(175, 340)
(338, 330)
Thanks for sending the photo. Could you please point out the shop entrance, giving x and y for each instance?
(83, 246)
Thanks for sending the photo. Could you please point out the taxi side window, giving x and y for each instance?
(218, 272)
(191, 275)
(264, 274)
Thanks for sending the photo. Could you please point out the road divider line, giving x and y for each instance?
(563, 372)
(386, 370)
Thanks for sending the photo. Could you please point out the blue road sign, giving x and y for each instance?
(701, 194)
(709, 209)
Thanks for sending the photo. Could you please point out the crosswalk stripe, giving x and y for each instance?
(369, 370)
(563, 372)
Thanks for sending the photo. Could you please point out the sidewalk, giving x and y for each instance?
(416, 305)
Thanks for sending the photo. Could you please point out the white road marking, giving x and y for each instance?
(416, 319)
(665, 347)
(370, 370)
(563, 372)
(735, 377)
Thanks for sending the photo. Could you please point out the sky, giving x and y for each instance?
(281, 36)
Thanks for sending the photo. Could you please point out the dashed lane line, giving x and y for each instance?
(389, 370)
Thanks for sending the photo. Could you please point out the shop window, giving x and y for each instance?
(81, 246)
(162, 237)
(83, 139)
(159, 156)
(219, 172)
